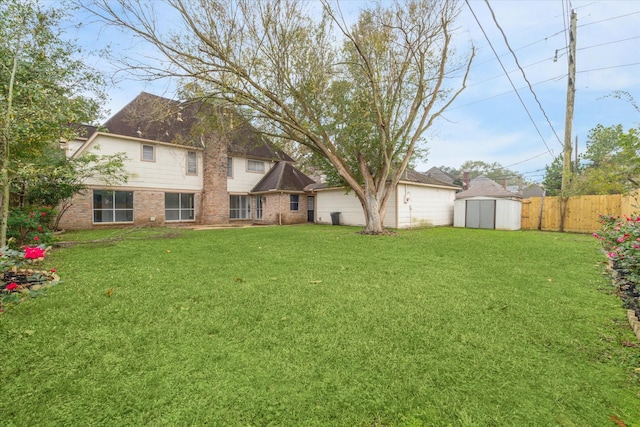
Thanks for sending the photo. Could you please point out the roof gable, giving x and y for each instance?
(440, 175)
(283, 177)
(485, 187)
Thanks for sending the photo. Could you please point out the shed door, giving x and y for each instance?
(481, 214)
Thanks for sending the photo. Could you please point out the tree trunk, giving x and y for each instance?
(373, 214)
(6, 137)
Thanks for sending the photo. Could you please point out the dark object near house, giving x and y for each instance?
(335, 218)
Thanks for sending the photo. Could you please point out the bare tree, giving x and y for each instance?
(360, 95)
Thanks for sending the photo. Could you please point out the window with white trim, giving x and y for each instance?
(112, 206)
(148, 153)
(192, 163)
(294, 202)
(179, 207)
(255, 166)
(239, 207)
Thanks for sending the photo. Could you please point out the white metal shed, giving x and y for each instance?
(487, 205)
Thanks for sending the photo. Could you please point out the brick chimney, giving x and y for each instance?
(466, 180)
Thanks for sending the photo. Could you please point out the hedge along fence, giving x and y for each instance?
(582, 211)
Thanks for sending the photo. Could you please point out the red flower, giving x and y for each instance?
(33, 253)
(11, 286)
(53, 270)
(39, 228)
(36, 238)
(31, 215)
(43, 214)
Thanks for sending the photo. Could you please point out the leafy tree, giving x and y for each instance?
(552, 181)
(610, 164)
(42, 89)
(359, 95)
(53, 179)
(612, 161)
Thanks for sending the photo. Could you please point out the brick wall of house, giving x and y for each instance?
(294, 217)
(277, 210)
(79, 214)
(148, 210)
(214, 205)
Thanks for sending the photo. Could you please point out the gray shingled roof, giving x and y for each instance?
(283, 177)
(421, 178)
(164, 120)
(533, 190)
(484, 187)
(409, 175)
(440, 175)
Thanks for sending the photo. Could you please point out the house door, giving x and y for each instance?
(311, 206)
(481, 214)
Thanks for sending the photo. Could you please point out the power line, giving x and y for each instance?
(521, 47)
(535, 96)
(500, 75)
(608, 43)
(562, 76)
(608, 19)
(509, 78)
(530, 158)
(609, 68)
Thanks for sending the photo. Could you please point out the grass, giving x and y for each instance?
(318, 325)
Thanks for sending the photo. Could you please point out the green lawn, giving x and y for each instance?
(319, 325)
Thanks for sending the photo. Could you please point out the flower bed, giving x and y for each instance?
(18, 280)
(620, 237)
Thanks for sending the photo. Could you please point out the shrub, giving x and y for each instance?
(620, 237)
(30, 225)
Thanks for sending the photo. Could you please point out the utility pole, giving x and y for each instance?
(568, 121)
(571, 94)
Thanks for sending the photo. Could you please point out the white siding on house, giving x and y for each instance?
(243, 181)
(423, 206)
(168, 171)
(73, 146)
(420, 206)
(335, 200)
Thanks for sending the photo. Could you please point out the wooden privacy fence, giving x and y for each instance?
(543, 213)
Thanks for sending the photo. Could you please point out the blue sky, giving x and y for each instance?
(489, 121)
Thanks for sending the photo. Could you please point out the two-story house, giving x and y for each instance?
(188, 163)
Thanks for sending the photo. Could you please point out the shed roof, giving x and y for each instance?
(283, 177)
(485, 187)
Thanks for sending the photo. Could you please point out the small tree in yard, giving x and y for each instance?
(360, 95)
(42, 89)
(53, 179)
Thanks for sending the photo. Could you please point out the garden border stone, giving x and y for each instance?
(635, 322)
